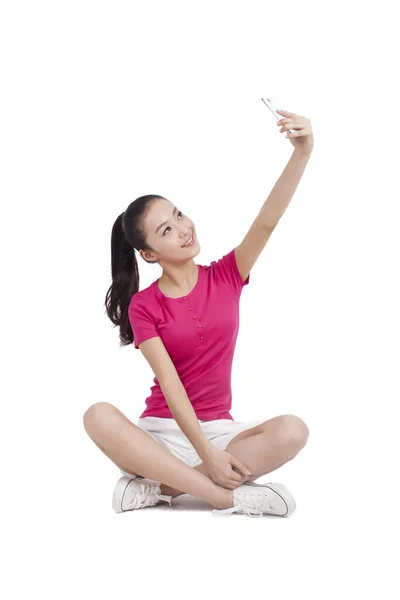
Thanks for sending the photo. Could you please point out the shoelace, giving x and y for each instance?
(252, 511)
(146, 495)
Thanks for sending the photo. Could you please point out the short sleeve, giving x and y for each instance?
(143, 326)
(226, 269)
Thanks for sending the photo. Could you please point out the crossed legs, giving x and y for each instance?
(263, 448)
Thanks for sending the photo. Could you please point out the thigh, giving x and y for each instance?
(168, 433)
(103, 418)
(221, 432)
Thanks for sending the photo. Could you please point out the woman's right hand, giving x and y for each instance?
(220, 464)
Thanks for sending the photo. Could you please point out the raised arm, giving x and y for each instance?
(277, 202)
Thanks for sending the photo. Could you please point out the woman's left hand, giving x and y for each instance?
(302, 136)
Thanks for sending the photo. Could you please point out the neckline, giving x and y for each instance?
(160, 293)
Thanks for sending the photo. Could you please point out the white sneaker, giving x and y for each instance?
(137, 492)
(258, 499)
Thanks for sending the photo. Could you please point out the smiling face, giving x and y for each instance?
(167, 230)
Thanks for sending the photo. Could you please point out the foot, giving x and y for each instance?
(258, 499)
(131, 493)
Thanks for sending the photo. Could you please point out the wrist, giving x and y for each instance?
(305, 154)
(207, 451)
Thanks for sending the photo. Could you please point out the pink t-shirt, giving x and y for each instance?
(199, 332)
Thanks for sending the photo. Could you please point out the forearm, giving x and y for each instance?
(282, 192)
(184, 414)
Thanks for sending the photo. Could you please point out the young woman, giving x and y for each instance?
(186, 324)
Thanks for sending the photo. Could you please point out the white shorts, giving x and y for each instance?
(167, 432)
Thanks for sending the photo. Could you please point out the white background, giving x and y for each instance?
(103, 102)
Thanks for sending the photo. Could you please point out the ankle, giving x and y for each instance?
(225, 500)
(169, 491)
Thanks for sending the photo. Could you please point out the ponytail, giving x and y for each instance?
(127, 234)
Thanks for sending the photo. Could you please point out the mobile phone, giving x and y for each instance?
(273, 106)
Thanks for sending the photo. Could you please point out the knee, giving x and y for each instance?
(294, 431)
(96, 416)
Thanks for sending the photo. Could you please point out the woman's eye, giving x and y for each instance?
(179, 213)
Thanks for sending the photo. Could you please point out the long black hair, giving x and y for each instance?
(127, 235)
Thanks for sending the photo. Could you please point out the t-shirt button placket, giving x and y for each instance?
(194, 318)
(202, 336)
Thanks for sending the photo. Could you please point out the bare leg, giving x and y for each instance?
(263, 448)
(134, 450)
